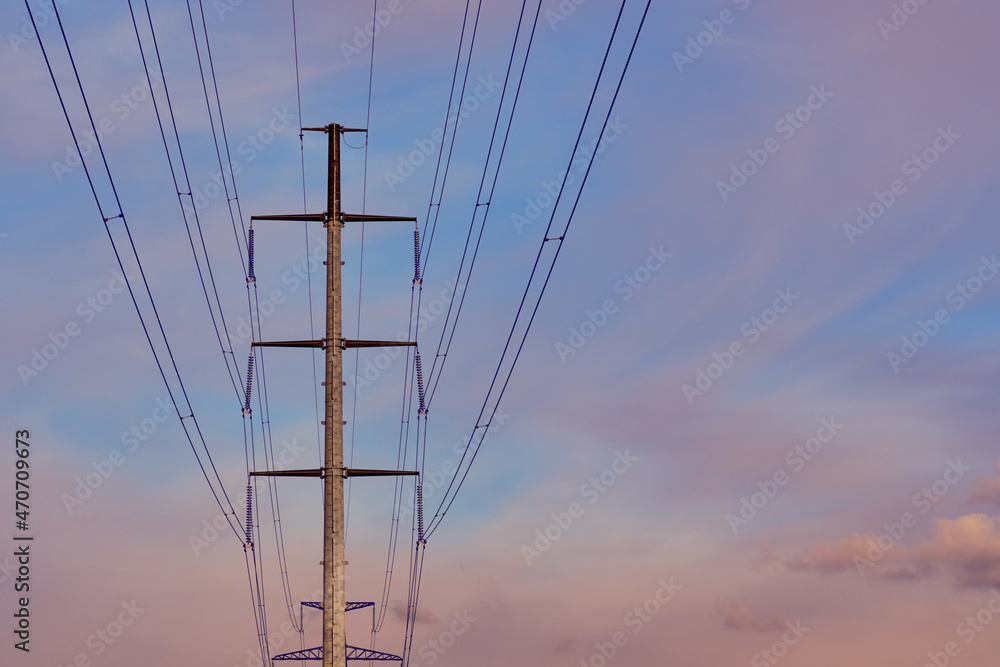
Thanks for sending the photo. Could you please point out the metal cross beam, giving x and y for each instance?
(353, 653)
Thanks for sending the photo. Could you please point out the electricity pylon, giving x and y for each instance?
(335, 652)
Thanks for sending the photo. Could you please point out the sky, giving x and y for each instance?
(752, 420)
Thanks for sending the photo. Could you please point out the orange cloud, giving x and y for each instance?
(967, 549)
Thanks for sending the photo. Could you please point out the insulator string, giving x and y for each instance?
(249, 515)
(250, 277)
(246, 404)
(420, 513)
(420, 385)
(416, 256)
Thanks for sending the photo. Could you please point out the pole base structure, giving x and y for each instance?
(353, 653)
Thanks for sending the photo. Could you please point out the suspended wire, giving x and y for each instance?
(412, 380)
(272, 486)
(401, 458)
(406, 408)
(256, 577)
(253, 579)
(268, 447)
(256, 584)
(305, 229)
(188, 414)
(461, 96)
(450, 494)
(222, 126)
(450, 325)
(415, 300)
(361, 268)
(416, 558)
(420, 534)
(231, 513)
(227, 354)
(268, 441)
(361, 277)
(251, 562)
(248, 272)
(249, 555)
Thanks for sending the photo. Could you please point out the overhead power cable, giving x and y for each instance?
(451, 323)
(493, 398)
(187, 415)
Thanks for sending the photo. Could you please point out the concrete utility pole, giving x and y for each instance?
(334, 597)
(335, 652)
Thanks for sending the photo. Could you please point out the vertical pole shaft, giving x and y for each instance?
(334, 597)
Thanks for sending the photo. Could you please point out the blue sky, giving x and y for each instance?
(655, 533)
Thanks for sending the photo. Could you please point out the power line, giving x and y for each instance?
(434, 378)
(183, 415)
(425, 254)
(180, 194)
(254, 580)
(452, 491)
(448, 331)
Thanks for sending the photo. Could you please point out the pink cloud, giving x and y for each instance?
(967, 549)
(739, 615)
